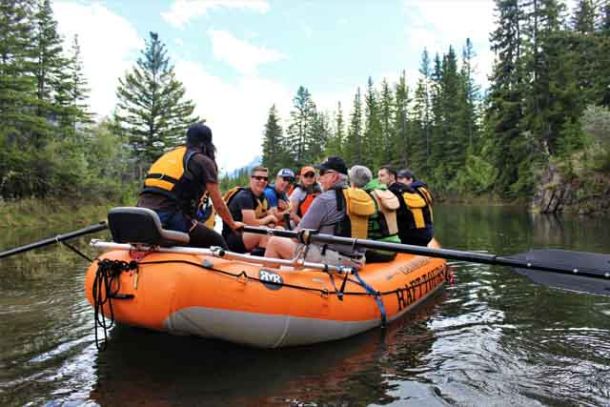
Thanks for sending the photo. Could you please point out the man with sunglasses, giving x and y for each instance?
(276, 194)
(250, 206)
(304, 193)
(324, 215)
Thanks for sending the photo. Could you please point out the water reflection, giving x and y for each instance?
(492, 338)
(146, 368)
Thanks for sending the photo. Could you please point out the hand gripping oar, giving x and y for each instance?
(59, 238)
(571, 270)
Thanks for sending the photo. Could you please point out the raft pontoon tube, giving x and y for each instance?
(215, 293)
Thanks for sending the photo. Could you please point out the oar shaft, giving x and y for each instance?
(424, 251)
(55, 239)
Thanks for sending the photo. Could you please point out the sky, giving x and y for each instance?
(236, 58)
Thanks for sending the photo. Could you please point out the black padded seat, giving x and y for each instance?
(142, 226)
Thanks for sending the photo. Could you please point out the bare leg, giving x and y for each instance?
(252, 240)
(280, 247)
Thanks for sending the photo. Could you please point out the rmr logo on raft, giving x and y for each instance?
(271, 280)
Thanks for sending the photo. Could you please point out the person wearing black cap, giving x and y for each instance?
(415, 213)
(324, 215)
(180, 180)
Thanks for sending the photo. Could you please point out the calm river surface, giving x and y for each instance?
(491, 338)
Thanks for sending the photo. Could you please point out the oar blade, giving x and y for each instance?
(590, 271)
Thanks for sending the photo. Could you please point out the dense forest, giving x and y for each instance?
(547, 105)
(49, 144)
(546, 108)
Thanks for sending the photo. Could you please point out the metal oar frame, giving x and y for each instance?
(297, 262)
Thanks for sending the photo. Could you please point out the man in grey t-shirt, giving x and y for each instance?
(322, 216)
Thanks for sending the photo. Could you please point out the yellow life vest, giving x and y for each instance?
(358, 206)
(419, 202)
(387, 205)
(169, 176)
(167, 170)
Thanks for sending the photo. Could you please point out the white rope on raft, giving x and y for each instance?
(297, 262)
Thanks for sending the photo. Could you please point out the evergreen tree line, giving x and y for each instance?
(547, 104)
(49, 144)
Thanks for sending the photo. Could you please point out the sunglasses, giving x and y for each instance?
(260, 178)
(288, 179)
(323, 172)
(309, 175)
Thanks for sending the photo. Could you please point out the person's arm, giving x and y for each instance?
(249, 217)
(314, 217)
(221, 206)
(294, 206)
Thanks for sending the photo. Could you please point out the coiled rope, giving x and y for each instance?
(106, 285)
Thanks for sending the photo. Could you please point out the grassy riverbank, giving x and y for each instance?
(33, 212)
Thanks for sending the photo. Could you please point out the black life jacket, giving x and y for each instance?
(416, 205)
(169, 176)
(261, 205)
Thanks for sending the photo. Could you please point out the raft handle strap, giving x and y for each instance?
(375, 294)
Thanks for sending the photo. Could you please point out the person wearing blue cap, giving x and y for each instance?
(279, 203)
(182, 178)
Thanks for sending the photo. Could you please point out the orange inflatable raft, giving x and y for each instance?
(232, 297)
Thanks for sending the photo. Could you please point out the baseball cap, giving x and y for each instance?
(286, 172)
(405, 174)
(333, 163)
(307, 169)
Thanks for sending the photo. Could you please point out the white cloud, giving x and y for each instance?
(182, 11)
(437, 24)
(236, 112)
(108, 43)
(241, 55)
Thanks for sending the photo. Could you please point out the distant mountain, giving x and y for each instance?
(255, 161)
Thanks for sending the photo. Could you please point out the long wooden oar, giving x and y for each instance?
(59, 238)
(571, 270)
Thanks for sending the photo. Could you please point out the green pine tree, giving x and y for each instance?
(387, 112)
(336, 142)
(353, 146)
(508, 144)
(299, 130)
(372, 141)
(273, 143)
(151, 107)
(50, 62)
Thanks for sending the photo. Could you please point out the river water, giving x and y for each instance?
(491, 338)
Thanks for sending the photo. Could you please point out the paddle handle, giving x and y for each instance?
(59, 238)
(307, 236)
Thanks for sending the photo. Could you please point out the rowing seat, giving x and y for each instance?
(142, 226)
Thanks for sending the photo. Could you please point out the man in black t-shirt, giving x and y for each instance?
(178, 180)
(251, 207)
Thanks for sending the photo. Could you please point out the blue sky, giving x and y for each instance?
(238, 57)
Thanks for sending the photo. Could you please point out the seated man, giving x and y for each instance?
(382, 224)
(415, 215)
(249, 205)
(326, 216)
(387, 175)
(279, 204)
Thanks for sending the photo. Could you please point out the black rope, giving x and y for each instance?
(106, 285)
(298, 287)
